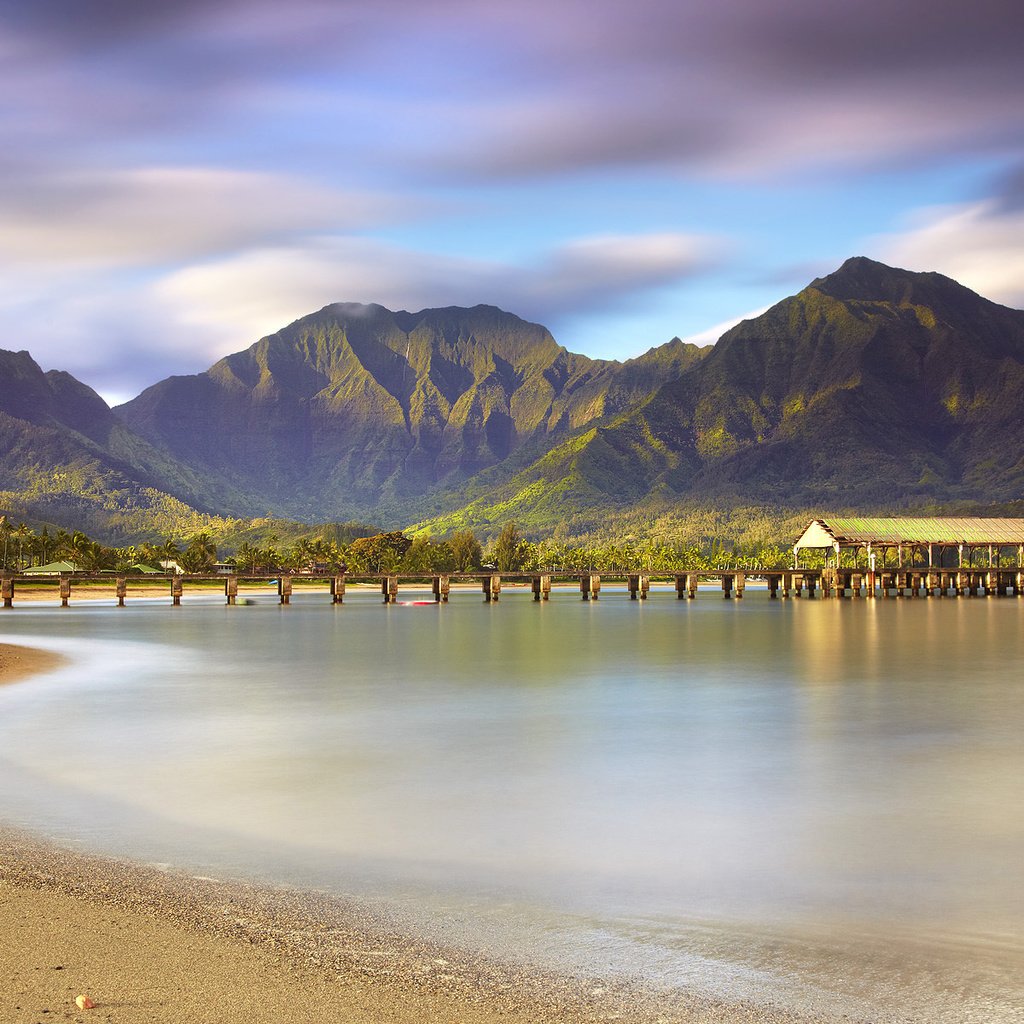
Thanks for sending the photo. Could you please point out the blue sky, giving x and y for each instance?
(181, 180)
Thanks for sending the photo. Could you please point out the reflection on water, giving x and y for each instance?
(739, 795)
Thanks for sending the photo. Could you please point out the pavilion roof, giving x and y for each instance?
(911, 530)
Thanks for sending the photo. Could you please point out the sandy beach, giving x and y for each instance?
(17, 662)
(162, 947)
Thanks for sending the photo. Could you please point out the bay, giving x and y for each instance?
(813, 803)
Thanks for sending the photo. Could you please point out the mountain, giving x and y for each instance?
(356, 409)
(66, 458)
(872, 387)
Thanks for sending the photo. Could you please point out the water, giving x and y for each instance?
(813, 803)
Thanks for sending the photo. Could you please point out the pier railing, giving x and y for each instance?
(731, 583)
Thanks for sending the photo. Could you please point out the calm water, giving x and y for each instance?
(817, 803)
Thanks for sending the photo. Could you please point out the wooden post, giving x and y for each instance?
(338, 589)
(442, 587)
(176, 589)
(389, 589)
(284, 589)
(681, 588)
(798, 584)
(65, 591)
(7, 591)
(541, 588)
(495, 592)
(645, 586)
(787, 582)
(727, 582)
(773, 586)
(585, 586)
(121, 590)
(595, 587)
(633, 585)
(231, 589)
(811, 584)
(871, 583)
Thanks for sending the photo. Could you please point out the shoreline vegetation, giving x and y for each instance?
(155, 946)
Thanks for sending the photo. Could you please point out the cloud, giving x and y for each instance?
(162, 214)
(258, 292)
(979, 244)
(491, 90)
(120, 334)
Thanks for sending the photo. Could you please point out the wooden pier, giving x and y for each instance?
(731, 584)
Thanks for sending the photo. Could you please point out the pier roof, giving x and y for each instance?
(847, 531)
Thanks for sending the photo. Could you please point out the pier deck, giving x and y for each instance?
(990, 581)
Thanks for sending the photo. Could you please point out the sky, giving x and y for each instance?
(179, 179)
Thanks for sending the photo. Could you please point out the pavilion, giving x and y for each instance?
(942, 542)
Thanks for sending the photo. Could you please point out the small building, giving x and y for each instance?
(51, 569)
(939, 541)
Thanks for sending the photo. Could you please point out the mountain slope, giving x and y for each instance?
(355, 408)
(65, 457)
(872, 386)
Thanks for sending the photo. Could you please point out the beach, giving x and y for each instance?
(149, 944)
(18, 662)
(208, 920)
(154, 946)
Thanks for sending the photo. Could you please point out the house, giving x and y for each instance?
(51, 569)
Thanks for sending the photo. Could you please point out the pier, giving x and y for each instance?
(884, 559)
(729, 584)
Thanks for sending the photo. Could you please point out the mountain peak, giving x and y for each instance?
(861, 279)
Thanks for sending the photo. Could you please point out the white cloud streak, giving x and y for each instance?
(978, 244)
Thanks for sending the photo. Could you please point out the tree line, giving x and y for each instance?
(510, 551)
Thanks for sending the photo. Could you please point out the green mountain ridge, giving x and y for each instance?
(355, 408)
(872, 388)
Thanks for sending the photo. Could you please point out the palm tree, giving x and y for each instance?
(7, 529)
(24, 533)
(200, 554)
(79, 548)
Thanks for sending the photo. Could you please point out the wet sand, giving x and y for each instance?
(17, 662)
(151, 946)
(164, 948)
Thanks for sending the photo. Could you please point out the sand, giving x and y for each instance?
(157, 947)
(153, 946)
(17, 662)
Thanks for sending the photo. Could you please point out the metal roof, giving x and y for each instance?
(912, 530)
